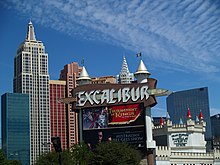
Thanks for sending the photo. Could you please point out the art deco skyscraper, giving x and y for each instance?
(31, 76)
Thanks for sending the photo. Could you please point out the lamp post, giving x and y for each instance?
(57, 146)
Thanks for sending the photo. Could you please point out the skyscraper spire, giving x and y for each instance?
(125, 77)
(30, 32)
(124, 67)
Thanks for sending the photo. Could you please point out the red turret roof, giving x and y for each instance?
(201, 116)
(161, 121)
(188, 114)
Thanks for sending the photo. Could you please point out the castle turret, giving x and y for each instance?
(201, 118)
(142, 73)
(83, 77)
(189, 116)
(161, 121)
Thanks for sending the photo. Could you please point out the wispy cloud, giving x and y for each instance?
(184, 34)
(214, 111)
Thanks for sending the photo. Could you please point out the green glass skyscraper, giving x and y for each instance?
(16, 127)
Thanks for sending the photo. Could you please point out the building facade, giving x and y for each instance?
(103, 80)
(15, 127)
(31, 76)
(58, 116)
(196, 100)
(215, 123)
(70, 73)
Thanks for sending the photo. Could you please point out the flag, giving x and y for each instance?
(82, 62)
(138, 55)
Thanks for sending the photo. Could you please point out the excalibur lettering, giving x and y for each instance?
(111, 96)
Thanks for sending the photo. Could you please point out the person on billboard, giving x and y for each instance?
(100, 136)
(87, 119)
(103, 118)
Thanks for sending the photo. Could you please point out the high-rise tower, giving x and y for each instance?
(16, 127)
(58, 116)
(69, 74)
(31, 76)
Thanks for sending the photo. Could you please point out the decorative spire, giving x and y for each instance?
(188, 114)
(161, 121)
(197, 119)
(142, 69)
(84, 75)
(167, 116)
(201, 116)
(152, 119)
(124, 67)
(125, 77)
(181, 121)
(30, 33)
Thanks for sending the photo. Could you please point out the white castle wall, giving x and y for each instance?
(186, 145)
(165, 155)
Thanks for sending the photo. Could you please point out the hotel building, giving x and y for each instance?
(69, 74)
(31, 77)
(58, 121)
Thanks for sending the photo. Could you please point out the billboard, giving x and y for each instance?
(123, 123)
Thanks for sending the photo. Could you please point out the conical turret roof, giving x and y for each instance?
(167, 116)
(201, 116)
(84, 75)
(161, 121)
(142, 69)
(181, 121)
(189, 116)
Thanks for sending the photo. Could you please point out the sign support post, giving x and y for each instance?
(150, 143)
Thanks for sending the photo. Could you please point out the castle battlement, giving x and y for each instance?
(190, 126)
(166, 154)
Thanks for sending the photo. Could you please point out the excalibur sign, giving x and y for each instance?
(111, 96)
(156, 92)
(126, 93)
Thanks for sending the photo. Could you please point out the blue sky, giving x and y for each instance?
(179, 40)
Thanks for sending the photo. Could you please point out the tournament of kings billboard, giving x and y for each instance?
(119, 123)
(114, 111)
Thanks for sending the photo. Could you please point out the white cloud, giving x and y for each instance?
(184, 34)
(214, 111)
